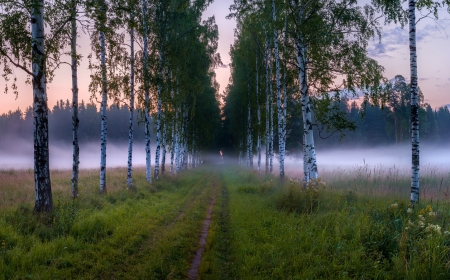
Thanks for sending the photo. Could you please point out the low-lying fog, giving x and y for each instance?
(18, 154)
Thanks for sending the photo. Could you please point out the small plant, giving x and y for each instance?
(266, 186)
(64, 216)
(247, 189)
(300, 197)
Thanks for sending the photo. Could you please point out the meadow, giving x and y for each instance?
(353, 223)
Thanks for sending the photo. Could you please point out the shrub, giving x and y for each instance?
(301, 198)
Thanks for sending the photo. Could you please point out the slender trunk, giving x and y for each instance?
(163, 148)
(278, 81)
(258, 142)
(249, 135)
(306, 112)
(185, 138)
(415, 167)
(44, 201)
(172, 151)
(158, 120)
(285, 97)
(305, 161)
(75, 120)
(177, 139)
(148, 163)
(131, 107)
(266, 62)
(103, 111)
(271, 120)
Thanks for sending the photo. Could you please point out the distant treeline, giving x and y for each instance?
(19, 123)
(376, 126)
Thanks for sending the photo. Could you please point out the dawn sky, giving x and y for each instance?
(393, 53)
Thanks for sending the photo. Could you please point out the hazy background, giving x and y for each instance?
(392, 53)
(18, 154)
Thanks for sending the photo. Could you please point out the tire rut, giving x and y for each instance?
(196, 261)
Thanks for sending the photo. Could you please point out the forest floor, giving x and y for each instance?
(224, 222)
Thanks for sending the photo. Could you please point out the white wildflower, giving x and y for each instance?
(394, 206)
(435, 228)
(432, 214)
(409, 211)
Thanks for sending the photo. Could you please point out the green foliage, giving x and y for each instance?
(147, 234)
(348, 236)
(297, 197)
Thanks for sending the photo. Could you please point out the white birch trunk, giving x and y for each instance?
(103, 108)
(75, 120)
(249, 134)
(305, 161)
(306, 112)
(258, 141)
(267, 106)
(281, 145)
(148, 164)
(158, 120)
(172, 150)
(177, 142)
(131, 107)
(185, 138)
(415, 166)
(271, 120)
(163, 150)
(42, 183)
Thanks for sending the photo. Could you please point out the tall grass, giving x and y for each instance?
(148, 233)
(283, 231)
(381, 180)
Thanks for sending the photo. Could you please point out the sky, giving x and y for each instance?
(433, 39)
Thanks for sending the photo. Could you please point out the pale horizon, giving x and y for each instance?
(392, 53)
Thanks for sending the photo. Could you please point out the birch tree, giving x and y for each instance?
(37, 53)
(394, 12)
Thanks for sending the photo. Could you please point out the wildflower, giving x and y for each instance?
(394, 206)
(432, 214)
(406, 228)
(421, 224)
(409, 211)
(435, 228)
(446, 232)
(421, 218)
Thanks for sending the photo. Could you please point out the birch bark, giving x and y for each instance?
(158, 120)
(249, 133)
(44, 201)
(163, 148)
(266, 62)
(75, 120)
(148, 164)
(306, 111)
(103, 108)
(258, 142)
(415, 166)
(271, 118)
(131, 107)
(281, 145)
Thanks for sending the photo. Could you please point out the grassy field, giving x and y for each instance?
(357, 226)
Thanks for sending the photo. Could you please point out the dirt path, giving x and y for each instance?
(195, 264)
